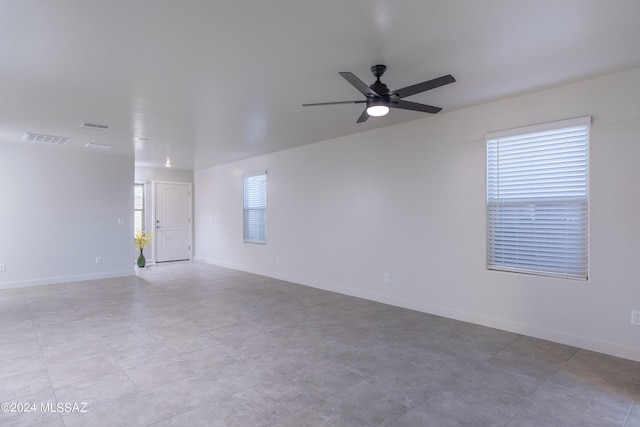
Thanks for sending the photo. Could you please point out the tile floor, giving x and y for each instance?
(190, 344)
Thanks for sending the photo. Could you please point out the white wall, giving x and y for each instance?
(144, 174)
(409, 200)
(59, 211)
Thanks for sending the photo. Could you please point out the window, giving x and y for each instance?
(138, 208)
(255, 208)
(537, 199)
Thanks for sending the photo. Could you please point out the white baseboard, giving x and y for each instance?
(65, 279)
(505, 325)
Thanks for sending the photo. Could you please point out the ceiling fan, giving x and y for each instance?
(379, 98)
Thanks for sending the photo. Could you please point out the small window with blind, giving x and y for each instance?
(537, 199)
(138, 208)
(255, 208)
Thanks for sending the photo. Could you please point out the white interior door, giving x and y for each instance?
(172, 221)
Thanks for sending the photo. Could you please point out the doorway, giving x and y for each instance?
(172, 221)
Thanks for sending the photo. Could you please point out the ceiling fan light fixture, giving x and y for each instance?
(377, 109)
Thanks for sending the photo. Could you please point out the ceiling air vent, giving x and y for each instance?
(46, 139)
(98, 146)
(93, 126)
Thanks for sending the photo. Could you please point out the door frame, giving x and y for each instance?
(153, 214)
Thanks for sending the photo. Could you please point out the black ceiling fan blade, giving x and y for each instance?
(334, 103)
(359, 84)
(408, 105)
(421, 87)
(363, 117)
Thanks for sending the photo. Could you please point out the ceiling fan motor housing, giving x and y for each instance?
(379, 87)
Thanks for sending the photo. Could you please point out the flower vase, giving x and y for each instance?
(141, 261)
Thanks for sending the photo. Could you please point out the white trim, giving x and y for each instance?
(578, 121)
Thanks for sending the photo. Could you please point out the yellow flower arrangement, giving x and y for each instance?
(143, 239)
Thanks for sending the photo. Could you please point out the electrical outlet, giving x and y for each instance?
(385, 278)
(98, 260)
(635, 317)
(3, 268)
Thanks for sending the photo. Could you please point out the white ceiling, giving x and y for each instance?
(208, 82)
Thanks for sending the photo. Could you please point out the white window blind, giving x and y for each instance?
(537, 199)
(255, 208)
(138, 208)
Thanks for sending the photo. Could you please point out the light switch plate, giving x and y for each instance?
(121, 221)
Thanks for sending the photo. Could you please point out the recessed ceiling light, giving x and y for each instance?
(98, 146)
